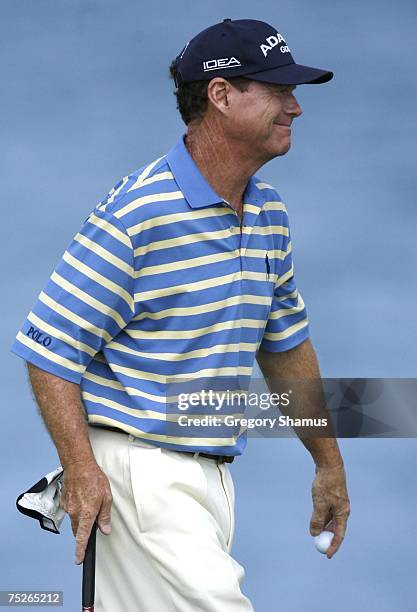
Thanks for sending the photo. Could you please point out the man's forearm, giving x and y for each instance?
(300, 364)
(331, 506)
(62, 410)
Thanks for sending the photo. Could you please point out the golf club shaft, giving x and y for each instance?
(89, 567)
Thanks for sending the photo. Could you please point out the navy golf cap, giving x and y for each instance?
(243, 47)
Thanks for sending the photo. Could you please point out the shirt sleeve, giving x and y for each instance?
(287, 324)
(87, 301)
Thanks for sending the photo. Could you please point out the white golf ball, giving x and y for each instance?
(323, 541)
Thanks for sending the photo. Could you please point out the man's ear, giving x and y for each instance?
(220, 93)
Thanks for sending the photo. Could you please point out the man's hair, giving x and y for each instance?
(192, 100)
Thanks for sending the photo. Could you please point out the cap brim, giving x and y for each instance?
(292, 74)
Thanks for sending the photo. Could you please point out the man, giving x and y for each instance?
(183, 272)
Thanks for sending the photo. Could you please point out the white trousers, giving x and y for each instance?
(172, 529)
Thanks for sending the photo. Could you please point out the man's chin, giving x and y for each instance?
(282, 148)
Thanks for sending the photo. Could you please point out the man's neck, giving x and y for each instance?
(225, 168)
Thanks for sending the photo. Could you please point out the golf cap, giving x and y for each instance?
(243, 47)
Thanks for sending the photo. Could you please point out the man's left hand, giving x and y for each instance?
(331, 507)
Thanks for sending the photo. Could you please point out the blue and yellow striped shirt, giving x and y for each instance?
(163, 284)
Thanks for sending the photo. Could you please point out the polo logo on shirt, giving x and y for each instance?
(273, 41)
(39, 336)
(224, 62)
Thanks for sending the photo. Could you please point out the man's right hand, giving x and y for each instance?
(86, 497)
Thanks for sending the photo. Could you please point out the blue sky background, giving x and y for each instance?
(85, 100)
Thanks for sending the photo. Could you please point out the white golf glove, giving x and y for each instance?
(41, 501)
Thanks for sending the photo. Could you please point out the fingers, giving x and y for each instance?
(319, 519)
(85, 525)
(331, 506)
(337, 525)
(72, 510)
(82, 523)
(339, 530)
(324, 520)
(104, 516)
(334, 546)
(86, 497)
(66, 504)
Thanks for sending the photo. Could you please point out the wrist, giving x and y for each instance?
(84, 461)
(330, 466)
(325, 453)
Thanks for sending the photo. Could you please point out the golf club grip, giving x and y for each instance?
(89, 571)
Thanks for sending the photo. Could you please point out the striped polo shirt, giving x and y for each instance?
(163, 284)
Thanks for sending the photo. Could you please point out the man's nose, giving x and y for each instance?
(293, 107)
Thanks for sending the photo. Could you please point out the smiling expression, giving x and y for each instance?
(260, 119)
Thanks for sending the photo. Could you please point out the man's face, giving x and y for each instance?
(260, 119)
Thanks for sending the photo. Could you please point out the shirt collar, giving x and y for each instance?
(192, 183)
(195, 188)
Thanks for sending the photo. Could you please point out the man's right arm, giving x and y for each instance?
(86, 493)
